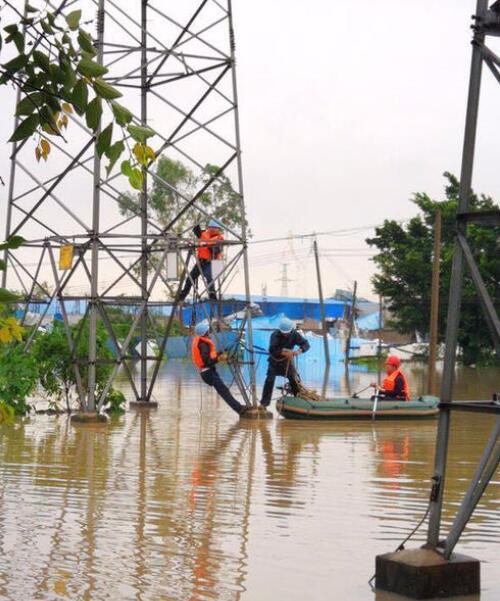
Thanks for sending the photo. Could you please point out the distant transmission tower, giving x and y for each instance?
(284, 279)
(175, 64)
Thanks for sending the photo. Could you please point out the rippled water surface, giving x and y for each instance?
(186, 503)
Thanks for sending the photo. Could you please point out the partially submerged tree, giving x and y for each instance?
(55, 365)
(404, 262)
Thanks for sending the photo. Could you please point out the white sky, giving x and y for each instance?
(347, 108)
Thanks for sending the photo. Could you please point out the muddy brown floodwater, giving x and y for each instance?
(186, 503)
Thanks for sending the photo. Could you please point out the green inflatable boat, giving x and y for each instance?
(293, 407)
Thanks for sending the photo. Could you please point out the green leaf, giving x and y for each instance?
(13, 243)
(139, 133)
(93, 113)
(46, 27)
(26, 128)
(3, 265)
(126, 168)
(10, 29)
(135, 179)
(121, 114)
(56, 73)
(104, 90)
(41, 60)
(29, 103)
(73, 19)
(53, 103)
(18, 40)
(13, 66)
(86, 43)
(90, 68)
(113, 153)
(7, 297)
(80, 96)
(47, 120)
(104, 140)
(69, 75)
(30, 9)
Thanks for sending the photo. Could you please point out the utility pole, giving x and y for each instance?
(351, 323)
(433, 328)
(379, 346)
(321, 304)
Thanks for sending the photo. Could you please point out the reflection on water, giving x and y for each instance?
(187, 503)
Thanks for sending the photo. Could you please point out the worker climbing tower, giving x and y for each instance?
(95, 241)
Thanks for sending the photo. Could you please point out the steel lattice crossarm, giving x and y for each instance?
(175, 66)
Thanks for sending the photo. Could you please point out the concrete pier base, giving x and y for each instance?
(88, 418)
(256, 413)
(425, 574)
(143, 405)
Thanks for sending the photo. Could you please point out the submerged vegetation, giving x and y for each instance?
(47, 368)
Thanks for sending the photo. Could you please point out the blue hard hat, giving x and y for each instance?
(201, 329)
(285, 325)
(214, 223)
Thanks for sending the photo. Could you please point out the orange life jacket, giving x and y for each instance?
(390, 381)
(195, 351)
(206, 241)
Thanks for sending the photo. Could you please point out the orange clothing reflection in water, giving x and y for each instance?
(201, 497)
(394, 455)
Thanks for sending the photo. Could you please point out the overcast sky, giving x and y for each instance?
(347, 109)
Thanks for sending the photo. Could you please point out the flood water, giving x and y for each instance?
(187, 503)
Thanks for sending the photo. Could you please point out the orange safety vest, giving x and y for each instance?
(389, 383)
(204, 250)
(195, 351)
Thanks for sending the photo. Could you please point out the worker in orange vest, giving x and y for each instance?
(205, 358)
(394, 386)
(209, 248)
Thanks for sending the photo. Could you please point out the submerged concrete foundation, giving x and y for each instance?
(426, 574)
(256, 413)
(88, 418)
(143, 405)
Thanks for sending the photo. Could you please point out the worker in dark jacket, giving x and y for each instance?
(205, 358)
(209, 249)
(394, 387)
(281, 353)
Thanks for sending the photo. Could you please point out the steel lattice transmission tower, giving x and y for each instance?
(175, 64)
(487, 24)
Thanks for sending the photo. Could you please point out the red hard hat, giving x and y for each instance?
(392, 360)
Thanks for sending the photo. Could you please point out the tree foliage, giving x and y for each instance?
(18, 376)
(55, 367)
(221, 201)
(54, 67)
(404, 262)
(10, 330)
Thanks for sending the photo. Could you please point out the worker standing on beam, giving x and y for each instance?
(208, 249)
(205, 358)
(281, 353)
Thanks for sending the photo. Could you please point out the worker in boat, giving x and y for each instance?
(394, 387)
(281, 353)
(208, 249)
(205, 358)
